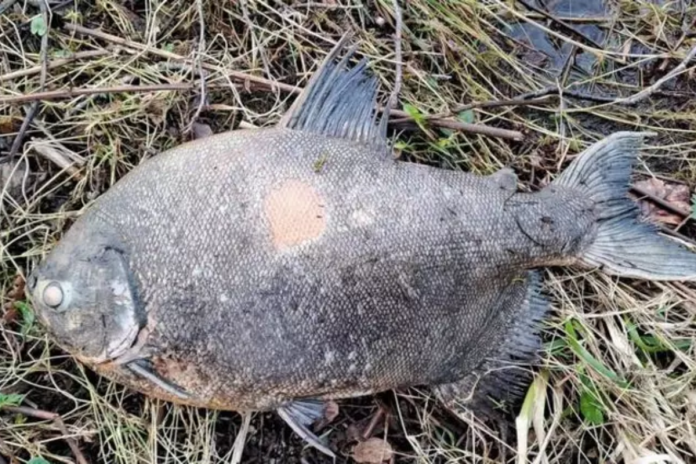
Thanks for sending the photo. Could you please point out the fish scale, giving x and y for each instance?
(274, 269)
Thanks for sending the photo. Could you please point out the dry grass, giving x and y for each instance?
(626, 348)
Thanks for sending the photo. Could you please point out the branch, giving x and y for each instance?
(201, 49)
(472, 128)
(72, 93)
(665, 204)
(276, 86)
(394, 98)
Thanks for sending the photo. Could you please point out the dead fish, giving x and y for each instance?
(274, 269)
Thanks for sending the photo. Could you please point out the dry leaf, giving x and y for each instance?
(372, 451)
(677, 195)
(7, 124)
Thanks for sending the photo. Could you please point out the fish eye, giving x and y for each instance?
(53, 295)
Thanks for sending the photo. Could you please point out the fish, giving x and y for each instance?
(280, 268)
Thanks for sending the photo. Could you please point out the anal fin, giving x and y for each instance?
(504, 375)
(300, 415)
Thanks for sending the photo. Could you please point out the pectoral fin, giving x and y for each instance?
(143, 368)
(300, 415)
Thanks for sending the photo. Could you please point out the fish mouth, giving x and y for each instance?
(112, 351)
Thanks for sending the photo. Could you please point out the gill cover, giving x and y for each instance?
(85, 295)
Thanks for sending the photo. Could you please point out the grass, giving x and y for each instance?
(617, 379)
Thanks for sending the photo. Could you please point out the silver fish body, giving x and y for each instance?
(261, 269)
(263, 278)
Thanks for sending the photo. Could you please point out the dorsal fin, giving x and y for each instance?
(340, 102)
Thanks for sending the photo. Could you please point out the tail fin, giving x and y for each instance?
(624, 246)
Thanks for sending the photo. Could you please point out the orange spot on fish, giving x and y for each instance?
(295, 213)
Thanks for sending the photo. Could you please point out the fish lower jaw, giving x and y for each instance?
(111, 352)
(91, 360)
(121, 347)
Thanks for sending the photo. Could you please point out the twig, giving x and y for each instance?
(394, 98)
(563, 145)
(646, 92)
(562, 104)
(273, 85)
(580, 19)
(71, 93)
(52, 416)
(31, 113)
(256, 43)
(655, 199)
(467, 127)
(525, 99)
(553, 90)
(61, 157)
(17, 143)
(562, 23)
(498, 103)
(486, 104)
(201, 49)
(367, 433)
(677, 234)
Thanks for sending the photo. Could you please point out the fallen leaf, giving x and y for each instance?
(372, 451)
(8, 124)
(677, 195)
